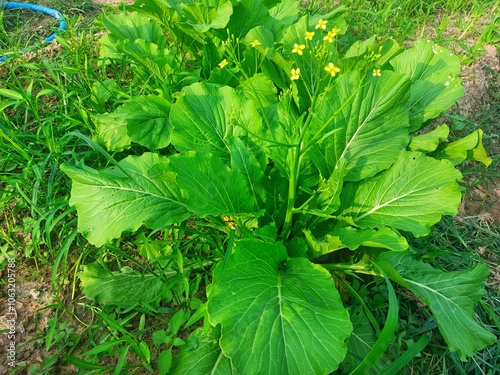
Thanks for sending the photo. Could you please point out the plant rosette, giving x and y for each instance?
(259, 116)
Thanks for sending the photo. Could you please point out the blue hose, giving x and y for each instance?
(36, 8)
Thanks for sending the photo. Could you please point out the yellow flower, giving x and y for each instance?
(223, 63)
(331, 34)
(321, 25)
(332, 69)
(335, 31)
(298, 49)
(255, 43)
(329, 37)
(376, 73)
(295, 74)
(309, 35)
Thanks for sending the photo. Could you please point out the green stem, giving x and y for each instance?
(297, 153)
(292, 192)
(358, 268)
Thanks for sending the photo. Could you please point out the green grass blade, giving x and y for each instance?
(102, 348)
(386, 335)
(81, 364)
(395, 367)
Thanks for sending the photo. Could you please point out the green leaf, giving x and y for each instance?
(329, 197)
(147, 121)
(153, 59)
(368, 111)
(450, 296)
(435, 84)
(102, 91)
(265, 38)
(134, 26)
(430, 141)
(212, 188)
(286, 11)
(385, 336)
(207, 116)
(164, 361)
(362, 339)
(210, 58)
(278, 315)
(244, 161)
(403, 360)
(111, 130)
(123, 198)
(248, 14)
(276, 196)
(123, 288)
(11, 94)
(129, 27)
(177, 320)
(204, 15)
(161, 337)
(353, 238)
(161, 11)
(359, 47)
(80, 363)
(205, 359)
(412, 195)
(366, 55)
(467, 148)
(260, 89)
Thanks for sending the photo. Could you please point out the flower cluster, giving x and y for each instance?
(328, 37)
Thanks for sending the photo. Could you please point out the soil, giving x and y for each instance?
(34, 293)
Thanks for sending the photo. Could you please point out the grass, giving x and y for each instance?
(45, 107)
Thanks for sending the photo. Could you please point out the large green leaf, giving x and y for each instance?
(276, 196)
(352, 238)
(152, 60)
(207, 14)
(163, 12)
(278, 315)
(434, 76)
(429, 141)
(147, 121)
(450, 296)
(207, 116)
(467, 148)
(248, 14)
(285, 11)
(204, 357)
(329, 198)
(133, 26)
(129, 27)
(212, 188)
(123, 198)
(244, 161)
(111, 130)
(123, 288)
(369, 112)
(411, 195)
(260, 89)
